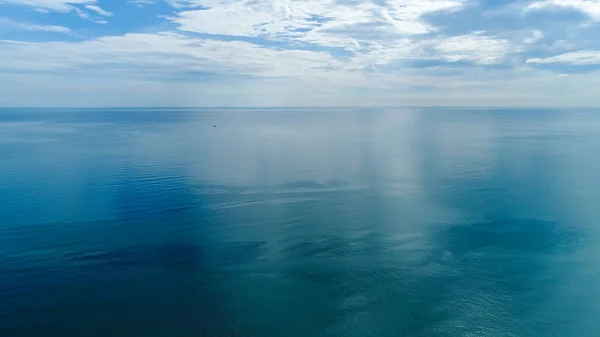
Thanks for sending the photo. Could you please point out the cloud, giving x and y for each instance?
(574, 58)
(536, 35)
(375, 32)
(98, 10)
(54, 5)
(360, 51)
(64, 6)
(479, 88)
(325, 22)
(160, 54)
(142, 2)
(476, 48)
(175, 58)
(9, 23)
(589, 7)
(175, 52)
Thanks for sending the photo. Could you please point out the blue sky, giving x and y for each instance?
(299, 53)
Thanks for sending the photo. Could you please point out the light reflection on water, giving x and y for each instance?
(349, 222)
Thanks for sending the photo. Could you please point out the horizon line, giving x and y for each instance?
(316, 107)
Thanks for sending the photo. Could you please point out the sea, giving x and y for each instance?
(169, 222)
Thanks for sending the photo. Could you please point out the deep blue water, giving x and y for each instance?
(339, 222)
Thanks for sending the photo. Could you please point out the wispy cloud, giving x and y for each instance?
(477, 48)
(143, 2)
(80, 7)
(98, 10)
(11, 24)
(54, 5)
(583, 57)
(166, 53)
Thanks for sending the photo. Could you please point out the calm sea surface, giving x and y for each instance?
(322, 222)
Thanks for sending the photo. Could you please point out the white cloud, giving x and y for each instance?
(474, 88)
(160, 54)
(55, 5)
(182, 3)
(9, 23)
(98, 10)
(333, 51)
(575, 58)
(172, 53)
(142, 2)
(475, 47)
(167, 56)
(535, 36)
(589, 7)
(385, 53)
(326, 22)
(65, 6)
(377, 34)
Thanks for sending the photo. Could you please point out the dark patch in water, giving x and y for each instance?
(516, 235)
(176, 257)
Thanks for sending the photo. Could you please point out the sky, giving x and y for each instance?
(299, 53)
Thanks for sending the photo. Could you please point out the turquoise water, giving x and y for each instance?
(322, 222)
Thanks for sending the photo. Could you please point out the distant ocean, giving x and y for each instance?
(299, 222)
